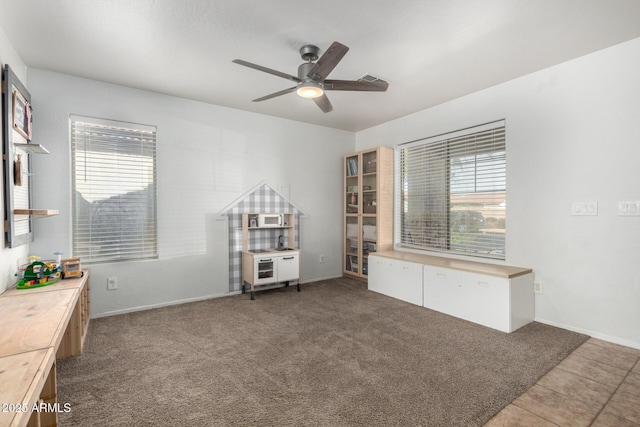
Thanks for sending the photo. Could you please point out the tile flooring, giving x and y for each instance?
(596, 385)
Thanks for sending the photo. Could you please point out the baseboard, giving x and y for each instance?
(320, 279)
(162, 304)
(592, 334)
(188, 300)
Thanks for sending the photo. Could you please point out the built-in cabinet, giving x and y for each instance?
(497, 296)
(368, 208)
(271, 258)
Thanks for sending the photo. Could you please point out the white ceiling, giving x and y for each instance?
(429, 51)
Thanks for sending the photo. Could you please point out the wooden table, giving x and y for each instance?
(37, 325)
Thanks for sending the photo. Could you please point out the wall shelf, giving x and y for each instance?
(31, 148)
(36, 212)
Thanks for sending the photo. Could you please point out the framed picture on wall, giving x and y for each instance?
(21, 115)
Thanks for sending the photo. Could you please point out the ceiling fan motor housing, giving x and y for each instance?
(303, 70)
(308, 86)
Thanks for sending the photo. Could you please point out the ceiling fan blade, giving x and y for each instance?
(266, 70)
(355, 85)
(324, 103)
(328, 61)
(273, 95)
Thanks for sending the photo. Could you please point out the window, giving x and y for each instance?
(452, 192)
(114, 190)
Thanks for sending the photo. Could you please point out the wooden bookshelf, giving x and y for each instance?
(368, 208)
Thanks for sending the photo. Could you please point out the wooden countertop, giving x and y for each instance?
(497, 270)
(32, 330)
(34, 321)
(75, 283)
(27, 373)
(273, 251)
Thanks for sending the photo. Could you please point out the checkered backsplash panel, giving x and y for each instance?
(263, 200)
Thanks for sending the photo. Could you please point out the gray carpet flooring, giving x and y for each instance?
(334, 354)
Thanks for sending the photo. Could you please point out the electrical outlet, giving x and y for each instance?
(322, 259)
(112, 283)
(537, 287)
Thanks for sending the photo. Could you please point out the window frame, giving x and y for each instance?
(432, 228)
(114, 215)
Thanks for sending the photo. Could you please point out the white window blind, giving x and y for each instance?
(452, 192)
(114, 190)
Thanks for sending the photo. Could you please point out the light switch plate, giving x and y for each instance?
(629, 208)
(584, 208)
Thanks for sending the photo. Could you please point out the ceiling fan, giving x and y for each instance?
(312, 79)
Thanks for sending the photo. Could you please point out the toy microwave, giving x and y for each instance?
(270, 220)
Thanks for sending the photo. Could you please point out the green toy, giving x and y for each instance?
(36, 275)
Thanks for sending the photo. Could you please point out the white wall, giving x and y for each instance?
(207, 157)
(10, 258)
(573, 134)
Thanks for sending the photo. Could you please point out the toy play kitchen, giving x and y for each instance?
(269, 255)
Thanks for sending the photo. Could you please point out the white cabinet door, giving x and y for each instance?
(475, 297)
(397, 279)
(379, 274)
(288, 267)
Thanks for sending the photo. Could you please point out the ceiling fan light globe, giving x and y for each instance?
(310, 90)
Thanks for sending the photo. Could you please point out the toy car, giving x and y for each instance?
(71, 268)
